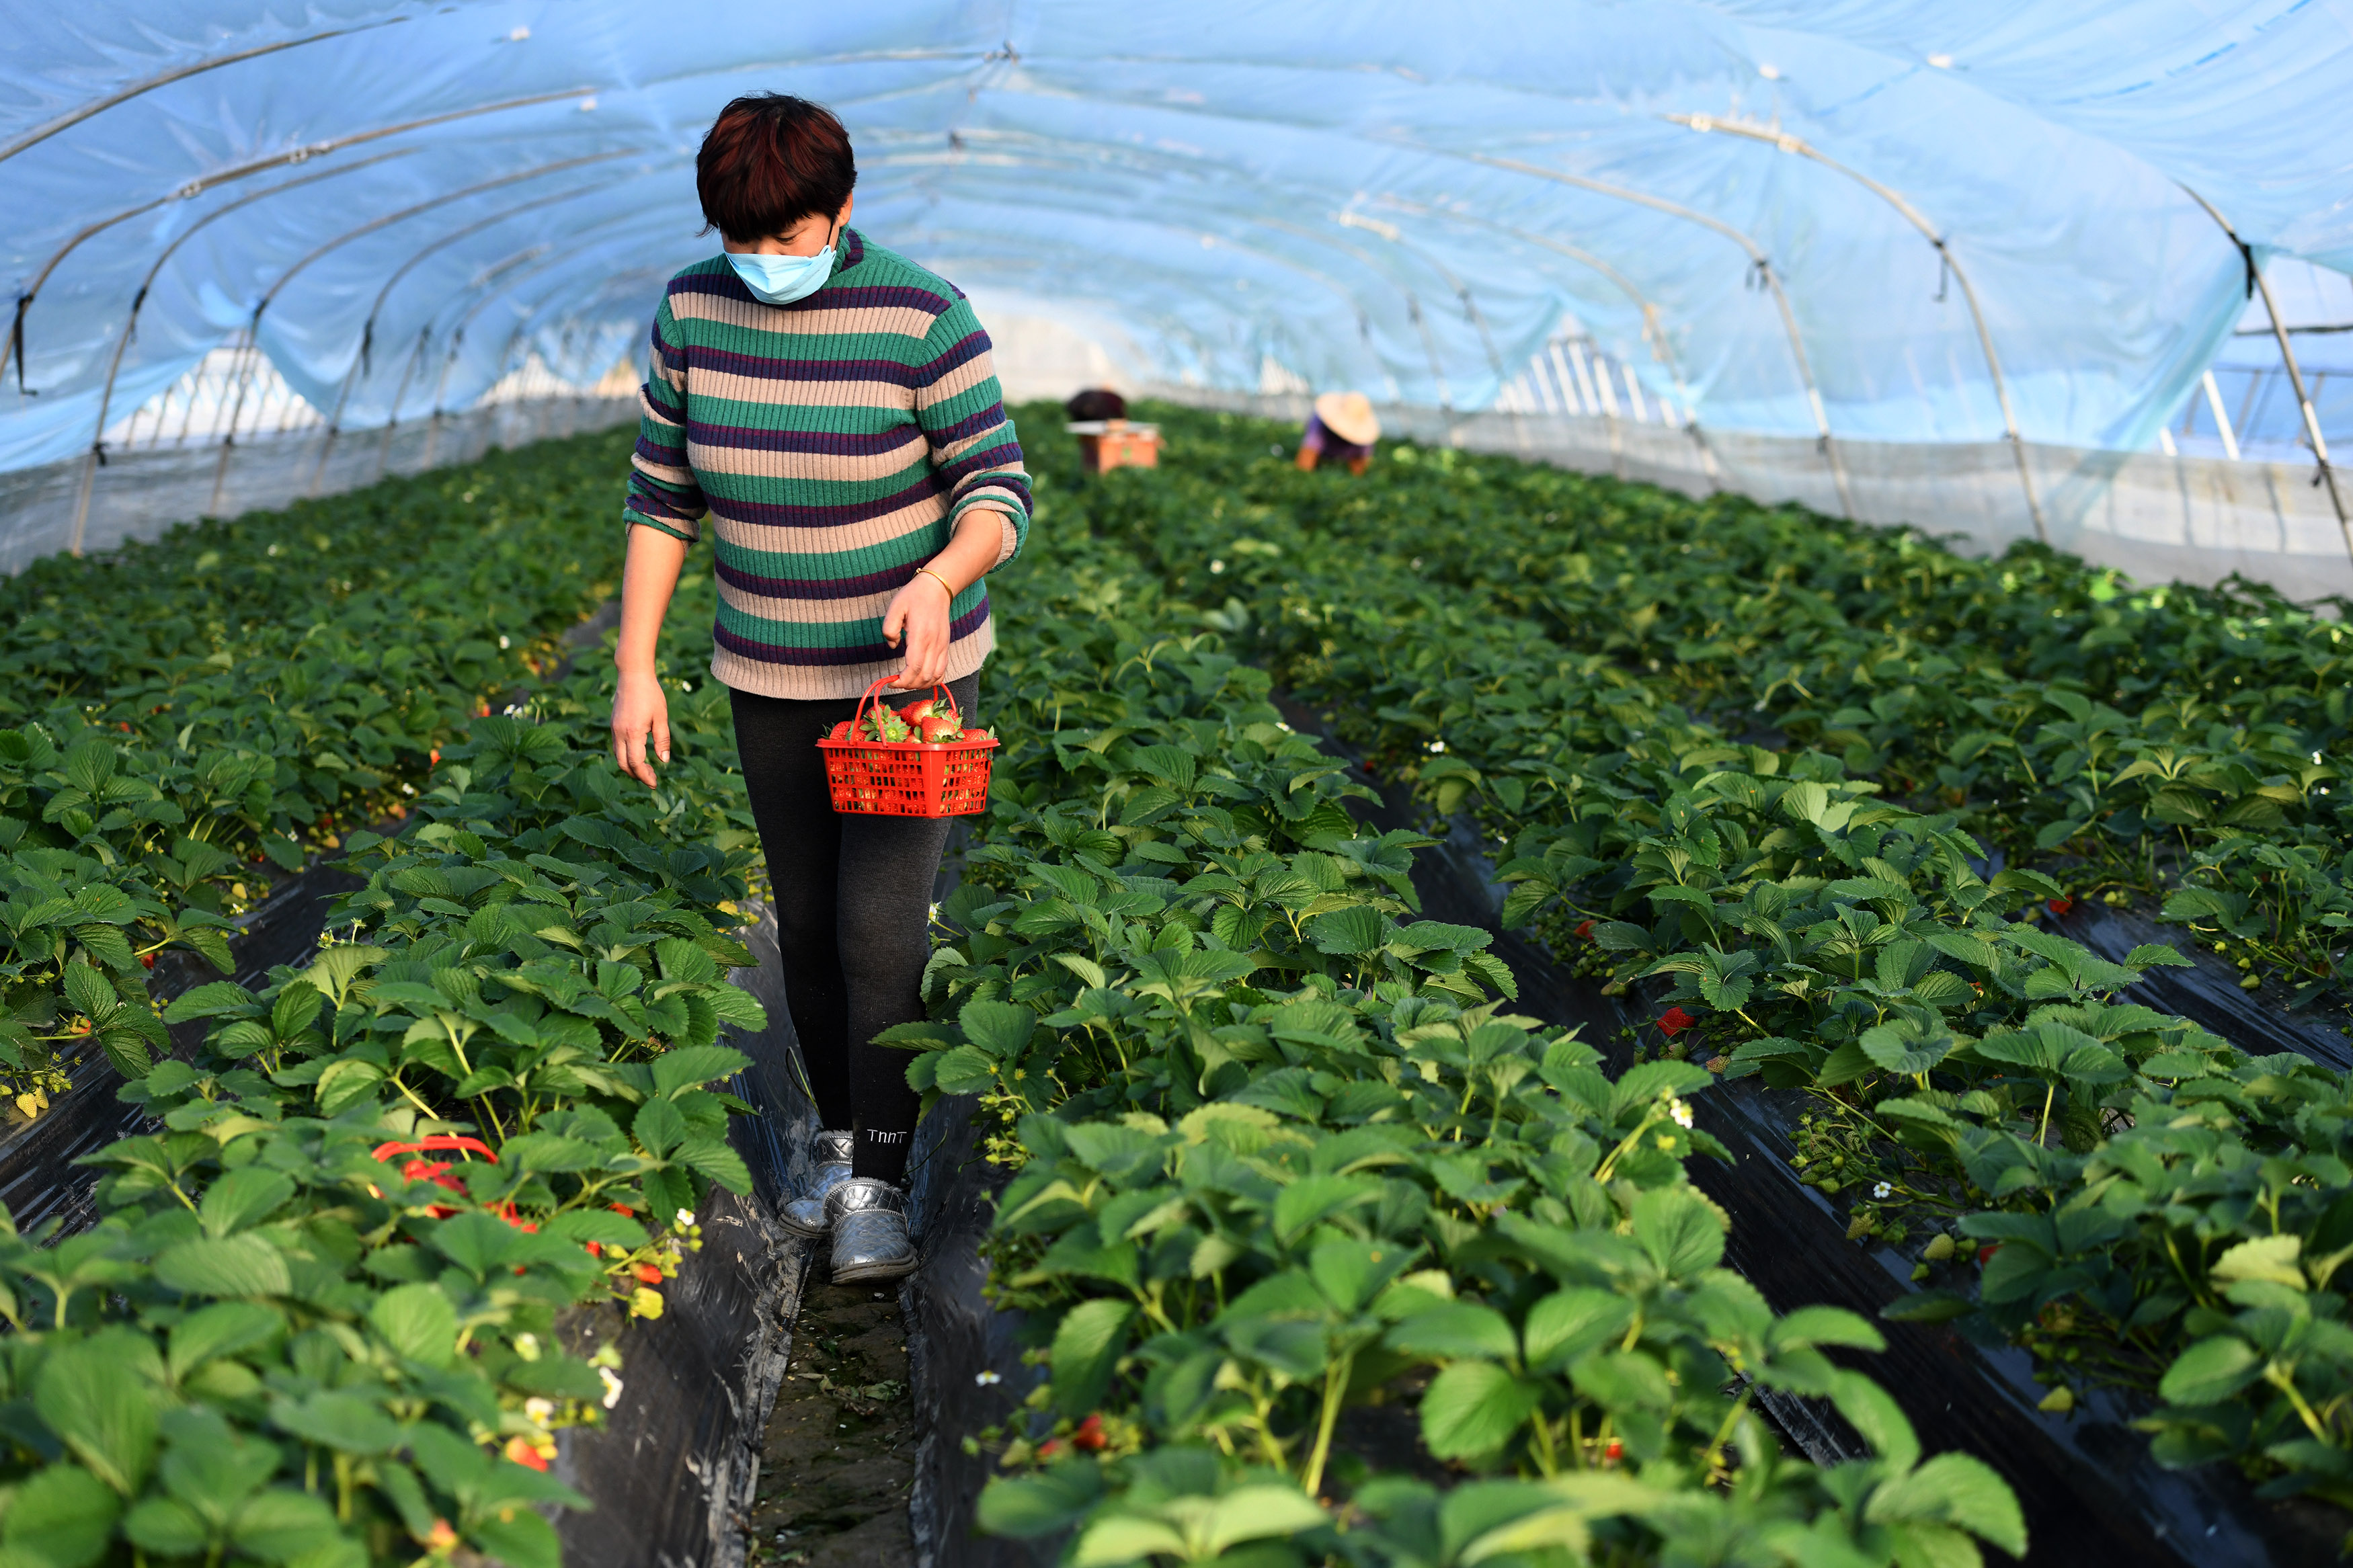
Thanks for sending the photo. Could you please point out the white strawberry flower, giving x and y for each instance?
(685, 1218)
(1681, 1110)
(612, 1386)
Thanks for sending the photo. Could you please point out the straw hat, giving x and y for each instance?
(1350, 416)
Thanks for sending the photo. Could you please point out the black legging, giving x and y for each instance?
(853, 905)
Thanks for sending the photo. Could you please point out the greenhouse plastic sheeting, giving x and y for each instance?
(1793, 217)
(139, 494)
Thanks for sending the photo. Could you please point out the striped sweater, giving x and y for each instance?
(834, 443)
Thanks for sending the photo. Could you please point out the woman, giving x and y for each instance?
(1342, 428)
(830, 407)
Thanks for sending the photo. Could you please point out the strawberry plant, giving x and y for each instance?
(316, 1319)
(2162, 746)
(186, 719)
(1676, 811)
(1281, 1150)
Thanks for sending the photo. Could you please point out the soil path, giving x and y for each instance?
(838, 1461)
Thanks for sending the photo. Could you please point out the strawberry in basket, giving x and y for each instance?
(916, 761)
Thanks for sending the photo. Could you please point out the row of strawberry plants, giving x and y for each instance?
(1283, 1158)
(318, 1320)
(2150, 1206)
(186, 719)
(2179, 749)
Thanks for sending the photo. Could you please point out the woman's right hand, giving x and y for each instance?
(639, 709)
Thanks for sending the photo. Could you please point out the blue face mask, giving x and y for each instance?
(781, 279)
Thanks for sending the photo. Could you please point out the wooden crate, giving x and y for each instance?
(1107, 443)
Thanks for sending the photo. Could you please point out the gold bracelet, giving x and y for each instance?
(927, 572)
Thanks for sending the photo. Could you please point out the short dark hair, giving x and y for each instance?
(769, 162)
(1096, 403)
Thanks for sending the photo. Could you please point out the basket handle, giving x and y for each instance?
(873, 696)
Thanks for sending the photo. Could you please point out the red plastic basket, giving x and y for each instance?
(907, 778)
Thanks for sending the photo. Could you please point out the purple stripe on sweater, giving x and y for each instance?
(881, 296)
(661, 452)
(986, 419)
(649, 498)
(887, 579)
(762, 367)
(774, 515)
(826, 443)
(963, 351)
(1014, 485)
(671, 355)
(978, 461)
(836, 296)
(876, 652)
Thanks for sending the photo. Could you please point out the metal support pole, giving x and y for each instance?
(130, 325)
(1568, 383)
(449, 363)
(383, 447)
(2257, 282)
(236, 410)
(367, 328)
(1540, 384)
(1756, 258)
(198, 187)
(73, 117)
(1430, 347)
(1786, 143)
(2221, 419)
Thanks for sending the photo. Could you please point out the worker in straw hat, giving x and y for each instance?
(1343, 428)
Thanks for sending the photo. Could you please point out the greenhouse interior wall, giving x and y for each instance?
(139, 494)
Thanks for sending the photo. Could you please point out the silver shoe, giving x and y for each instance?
(870, 1231)
(807, 1215)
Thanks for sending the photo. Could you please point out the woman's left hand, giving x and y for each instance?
(917, 620)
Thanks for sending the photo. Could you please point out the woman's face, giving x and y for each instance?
(807, 238)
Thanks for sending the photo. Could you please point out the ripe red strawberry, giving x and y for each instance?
(936, 727)
(1090, 1435)
(841, 732)
(1674, 1021)
(915, 710)
(648, 1273)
